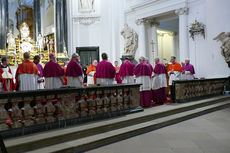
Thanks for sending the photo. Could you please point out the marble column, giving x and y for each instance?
(183, 33)
(61, 26)
(3, 23)
(37, 18)
(155, 39)
(141, 37)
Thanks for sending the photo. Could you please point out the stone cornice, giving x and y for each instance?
(182, 11)
(86, 20)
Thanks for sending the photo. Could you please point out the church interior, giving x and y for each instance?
(114, 76)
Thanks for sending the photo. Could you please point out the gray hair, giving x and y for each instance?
(75, 55)
(142, 58)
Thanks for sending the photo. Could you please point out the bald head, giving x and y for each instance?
(187, 61)
(95, 62)
(26, 55)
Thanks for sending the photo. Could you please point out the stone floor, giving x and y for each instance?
(206, 134)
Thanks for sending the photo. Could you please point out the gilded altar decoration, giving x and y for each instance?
(197, 28)
(17, 46)
(224, 38)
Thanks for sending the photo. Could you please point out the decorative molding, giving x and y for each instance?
(86, 20)
(197, 28)
(152, 22)
(154, 7)
(140, 21)
(182, 11)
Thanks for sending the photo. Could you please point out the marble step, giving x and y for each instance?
(87, 143)
(60, 136)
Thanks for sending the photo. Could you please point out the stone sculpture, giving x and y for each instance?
(224, 38)
(130, 40)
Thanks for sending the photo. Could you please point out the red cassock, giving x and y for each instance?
(27, 67)
(117, 76)
(4, 81)
(65, 77)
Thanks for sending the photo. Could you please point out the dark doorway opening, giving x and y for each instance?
(87, 55)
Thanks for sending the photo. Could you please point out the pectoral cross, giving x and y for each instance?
(152, 43)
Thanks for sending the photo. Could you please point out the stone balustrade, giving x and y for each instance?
(198, 89)
(19, 110)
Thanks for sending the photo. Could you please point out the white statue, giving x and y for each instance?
(25, 46)
(86, 6)
(40, 40)
(24, 32)
(10, 39)
(130, 39)
(224, 37)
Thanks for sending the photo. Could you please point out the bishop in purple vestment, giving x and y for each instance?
(74, 72)
(53, 73)
(105, 71)
(41, 80)
(188, 70)
(159, 83)
(143, 76)
(126, 72)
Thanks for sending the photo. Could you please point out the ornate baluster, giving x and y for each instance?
(50, 109)
(28, 111)
(41, 110)
(4, 116)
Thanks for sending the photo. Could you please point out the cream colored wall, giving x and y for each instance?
(165, 45)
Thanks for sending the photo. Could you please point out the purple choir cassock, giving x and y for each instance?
(40, 69)
(159, 84)
(75, 74)
(53, 73)
(40, 77)
(105, 73)
(143, 76)
(126, 72)
(189, 72)
(150, 67)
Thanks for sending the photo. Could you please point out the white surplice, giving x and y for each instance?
(174, 77)
(90, 78)
(27, 82)
(145, 81)
(105, 81)
(42, 84)
(127, 79)
(7, 76)
(187, 76)
(75, 81)
(159, 81)
(53, 82)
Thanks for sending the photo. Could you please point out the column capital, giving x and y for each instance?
(140, 21)
(152, 22)
(182, 11)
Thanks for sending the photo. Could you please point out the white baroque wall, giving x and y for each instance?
(104, 33)
(204, 53)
